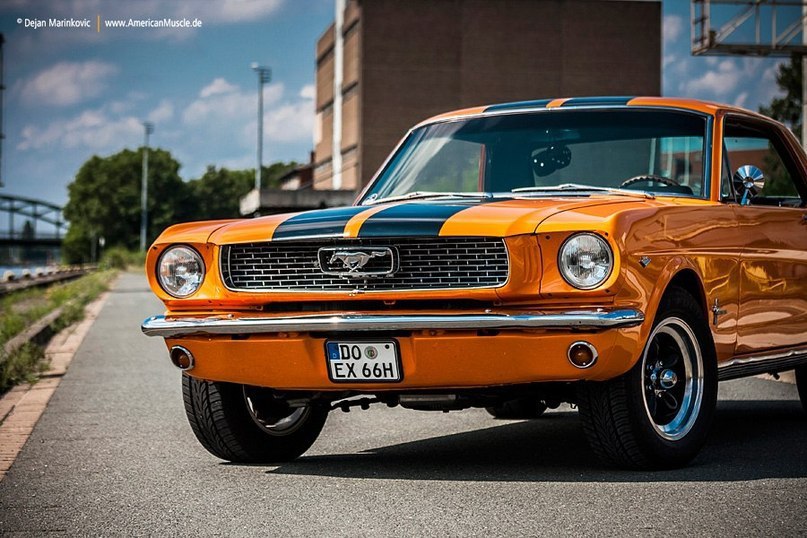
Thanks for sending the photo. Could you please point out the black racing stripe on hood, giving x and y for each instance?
(407, 220)
(323, 222)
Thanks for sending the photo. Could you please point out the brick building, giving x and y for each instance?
(398, 62)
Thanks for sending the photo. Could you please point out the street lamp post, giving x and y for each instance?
(148, 127)
(264, 76)
(2, 89)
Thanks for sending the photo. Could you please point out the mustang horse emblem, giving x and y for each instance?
(353, 261)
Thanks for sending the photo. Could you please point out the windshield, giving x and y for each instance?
(574, 151)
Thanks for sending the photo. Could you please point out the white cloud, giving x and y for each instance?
(745, 82)
(668, 59)
(163, 112)
(226, 10)
(308, 91)
(222, 126)
(291, 122)
(724, 80)
(672, 28)
(92, 129)
(769, 88)
(66, 83)
(218, 86)
(221, 109)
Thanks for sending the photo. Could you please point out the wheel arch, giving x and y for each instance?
(678, 272)
(687, 279)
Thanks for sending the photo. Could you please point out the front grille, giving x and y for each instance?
(422, 264)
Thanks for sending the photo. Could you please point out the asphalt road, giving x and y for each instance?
(113, 455)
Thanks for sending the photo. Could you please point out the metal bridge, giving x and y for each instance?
(25, 218)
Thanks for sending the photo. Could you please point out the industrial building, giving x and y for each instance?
(385, 65)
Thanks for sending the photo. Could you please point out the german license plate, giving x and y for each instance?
(351, 361)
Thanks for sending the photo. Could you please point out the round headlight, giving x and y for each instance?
(180, 271)
(585, 260)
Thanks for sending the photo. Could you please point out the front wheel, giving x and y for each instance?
(658, 414)
(245, 424)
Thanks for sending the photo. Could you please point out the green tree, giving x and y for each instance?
(218, 192)
(787, 108)
(104, 200)
(270, 175)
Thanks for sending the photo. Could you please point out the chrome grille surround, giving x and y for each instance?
(433, 263)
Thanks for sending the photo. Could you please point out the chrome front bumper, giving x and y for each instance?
(593, 319)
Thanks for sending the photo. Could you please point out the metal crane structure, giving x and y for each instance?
(776, 25)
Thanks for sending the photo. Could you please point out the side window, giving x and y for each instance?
(757, 149)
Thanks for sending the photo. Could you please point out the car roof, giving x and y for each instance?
(695, 105)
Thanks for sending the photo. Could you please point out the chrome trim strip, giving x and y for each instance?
(757, 364)
(793, 353)
(578, 319)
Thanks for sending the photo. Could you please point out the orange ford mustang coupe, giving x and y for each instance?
(620, 254)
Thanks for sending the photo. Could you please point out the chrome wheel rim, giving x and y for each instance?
(672, 379)
(273, 417)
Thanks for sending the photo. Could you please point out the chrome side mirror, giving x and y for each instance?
(749, 180)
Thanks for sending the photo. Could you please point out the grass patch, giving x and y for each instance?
(19, 310)
(120, 258)
(22, 366)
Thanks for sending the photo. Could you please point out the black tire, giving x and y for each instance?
(617, 418)
(519, 409)
(223, 422)
(801, 385)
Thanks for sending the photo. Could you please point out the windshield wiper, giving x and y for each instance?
(428, 194)
(576, 187)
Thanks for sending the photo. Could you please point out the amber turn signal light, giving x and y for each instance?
(582, 355)
(181, 358)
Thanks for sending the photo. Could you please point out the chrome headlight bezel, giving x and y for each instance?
(163, 276)
(570, 276)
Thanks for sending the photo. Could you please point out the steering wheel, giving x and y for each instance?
(649, 178)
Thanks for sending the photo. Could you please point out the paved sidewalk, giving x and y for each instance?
(22, 406)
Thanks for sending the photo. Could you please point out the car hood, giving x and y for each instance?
(494, 218)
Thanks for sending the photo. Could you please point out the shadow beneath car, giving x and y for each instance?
(749, 440)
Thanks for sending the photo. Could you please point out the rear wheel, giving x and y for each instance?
(801, 384)
(519, 409)
(247, 424)
(658, 414)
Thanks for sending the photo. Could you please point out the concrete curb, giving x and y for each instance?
(36, 331)
(22, 406)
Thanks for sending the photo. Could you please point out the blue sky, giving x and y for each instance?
(74, 93)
